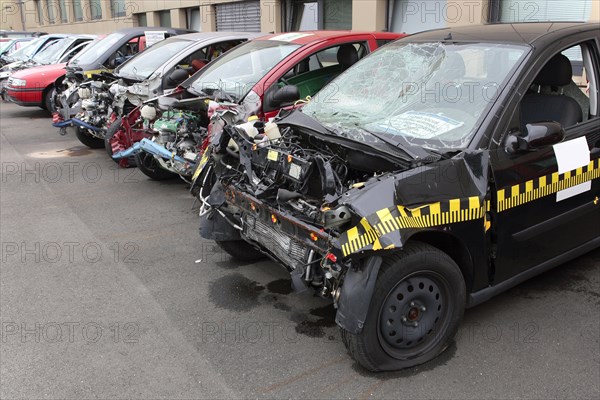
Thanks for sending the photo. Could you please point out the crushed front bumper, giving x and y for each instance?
(286, 238)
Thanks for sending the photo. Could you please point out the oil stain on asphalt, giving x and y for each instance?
(76, 151)
(235, 293)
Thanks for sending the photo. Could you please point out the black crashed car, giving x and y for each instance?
(436, 173)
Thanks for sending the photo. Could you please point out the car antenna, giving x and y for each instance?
(449, 36)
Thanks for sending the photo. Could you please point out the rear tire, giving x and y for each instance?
(89, 141)
(110, 132)
(150, 167)
(416, 309)
(240, 250)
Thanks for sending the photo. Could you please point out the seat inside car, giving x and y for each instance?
(551, 104)
(347, 56)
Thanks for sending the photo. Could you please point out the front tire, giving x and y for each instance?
(89, 141)
(49, 100)
(416, 309)
(150, 167)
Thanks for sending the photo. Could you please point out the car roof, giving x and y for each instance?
(56, 35)
(517, 33)
(201, 36)
(142, 29)
(308, 37)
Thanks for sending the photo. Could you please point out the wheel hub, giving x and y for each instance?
(410, 312)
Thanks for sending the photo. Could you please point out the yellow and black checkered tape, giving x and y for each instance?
(366, 235)
(547, 185)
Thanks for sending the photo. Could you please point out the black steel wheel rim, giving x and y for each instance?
(414, 315)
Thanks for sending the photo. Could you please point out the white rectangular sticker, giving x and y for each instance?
(423, 125)
(153, 37)
(290, 37)
(570, 156)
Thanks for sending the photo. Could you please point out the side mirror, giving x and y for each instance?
(536, 136)
(285, 95)
(176, 77)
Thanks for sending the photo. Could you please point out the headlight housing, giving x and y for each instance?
(16, 82)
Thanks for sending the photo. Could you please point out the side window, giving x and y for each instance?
(315, 71)
(219, 49)
(329, 62)
(203, 56)
(561, 90)
(383, 42)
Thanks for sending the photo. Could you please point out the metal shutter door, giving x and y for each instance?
(545, 10)
(240, 16)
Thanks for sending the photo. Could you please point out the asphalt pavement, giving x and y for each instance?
(107, 291)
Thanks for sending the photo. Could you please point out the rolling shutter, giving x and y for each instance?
(545, 10)
(239, 16)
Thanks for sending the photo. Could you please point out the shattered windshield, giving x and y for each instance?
(237, 71)
(430, 95)
(148, 61)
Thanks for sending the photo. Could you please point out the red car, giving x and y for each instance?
(35, 86)
(258, 78)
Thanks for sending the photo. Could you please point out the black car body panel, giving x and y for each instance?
(521, 195)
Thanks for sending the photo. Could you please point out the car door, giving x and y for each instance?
(312, 71)
(546, 200)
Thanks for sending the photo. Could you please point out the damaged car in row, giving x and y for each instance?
(439, 171)
(167, 135)
(61, 82)
(105, 97)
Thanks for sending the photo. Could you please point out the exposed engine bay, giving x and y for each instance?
(282, 187)
(176, 130)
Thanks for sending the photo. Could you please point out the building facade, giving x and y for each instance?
(105, 16)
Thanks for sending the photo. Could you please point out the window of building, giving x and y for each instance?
(142, 20)
(51, 9)
(303, 15)
(164, 17)
(337, 14)
(192, 18)
(117, 8)
(40, 12)
(64, 15)
(95, 9)
(77, 10)
(408, 16)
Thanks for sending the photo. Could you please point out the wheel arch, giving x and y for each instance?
(453, 247)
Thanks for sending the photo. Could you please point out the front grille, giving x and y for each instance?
(284, 247)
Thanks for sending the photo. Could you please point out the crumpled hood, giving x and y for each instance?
(436, 194)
